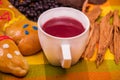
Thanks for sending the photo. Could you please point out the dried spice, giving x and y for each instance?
(84, 7)
(116, 40)
(93, 41)
(94, 31)
(111, 47)
(96, 11)
(106, 36)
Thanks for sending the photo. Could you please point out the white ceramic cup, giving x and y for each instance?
(63, 51)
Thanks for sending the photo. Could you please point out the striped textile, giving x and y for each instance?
(40, 69)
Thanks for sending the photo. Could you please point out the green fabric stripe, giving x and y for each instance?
(93, 68)
(36, 70)
(79, 67)
(112, 66)
(82, 66)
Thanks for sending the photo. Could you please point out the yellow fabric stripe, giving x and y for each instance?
(36, 59)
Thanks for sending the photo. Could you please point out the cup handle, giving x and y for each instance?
(66, 56)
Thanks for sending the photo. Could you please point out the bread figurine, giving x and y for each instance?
(5, 17)
(79, 3)
(11, 60)
(25, 35)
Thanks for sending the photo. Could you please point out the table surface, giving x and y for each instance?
(40, 69)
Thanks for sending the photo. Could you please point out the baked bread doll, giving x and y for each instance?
(5, 17)
(79, 3)
(11, 60)
(25, 35)
(7, 13)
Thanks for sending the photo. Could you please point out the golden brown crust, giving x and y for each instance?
(25, 35)
(11, 60)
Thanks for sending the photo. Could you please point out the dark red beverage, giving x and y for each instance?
(63, 27)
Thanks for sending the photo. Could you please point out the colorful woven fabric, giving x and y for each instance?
(40, 69)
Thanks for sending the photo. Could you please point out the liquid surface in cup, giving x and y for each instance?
(63, 27)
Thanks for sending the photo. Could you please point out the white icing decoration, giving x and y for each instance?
(1, 53)
(17, 52)
(5, 46)
(9, 56)
(10, 6)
